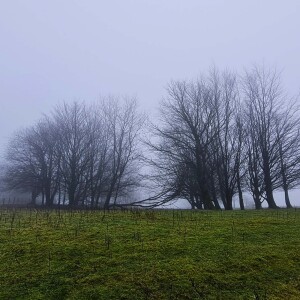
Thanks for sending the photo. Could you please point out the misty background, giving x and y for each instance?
(59, 51)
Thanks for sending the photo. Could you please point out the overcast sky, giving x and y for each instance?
(63, 50)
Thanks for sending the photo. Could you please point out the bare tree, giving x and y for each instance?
(288, 143)
(228, 141)
(32, 163)
(124, 124)
(72, 123)
(99, 153)
(21, 170)
(44, 146)
(184, 140)
(254, 175)
(263, 96)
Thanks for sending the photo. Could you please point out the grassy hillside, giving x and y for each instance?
(149, 255)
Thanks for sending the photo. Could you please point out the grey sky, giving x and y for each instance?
(59, 50)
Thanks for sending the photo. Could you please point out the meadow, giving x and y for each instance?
(149, 254)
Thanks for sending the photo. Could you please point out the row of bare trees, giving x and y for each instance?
(223, 135)
(79, 155)
(218, 137)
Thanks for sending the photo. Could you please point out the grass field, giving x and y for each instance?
(149, 254)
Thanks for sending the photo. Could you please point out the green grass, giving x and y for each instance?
(149, 254)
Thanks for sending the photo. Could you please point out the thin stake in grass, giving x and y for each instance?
(49, 261)
(107, 241)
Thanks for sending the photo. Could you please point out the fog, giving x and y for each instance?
(58, 51)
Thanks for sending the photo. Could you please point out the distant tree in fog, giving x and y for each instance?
(124, 125)
(72, 123)
(32, 162)
(78, 155)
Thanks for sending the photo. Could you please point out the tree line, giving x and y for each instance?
(224, 134)
(79, 155)
(218, 137)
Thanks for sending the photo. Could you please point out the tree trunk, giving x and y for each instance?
(206, 199)
(284, 180)
(287, 198)
(269, 195)
(228, 201)
(256, 199)
(241, 200)
(268, 181)
(215, 198)
(33, 197)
